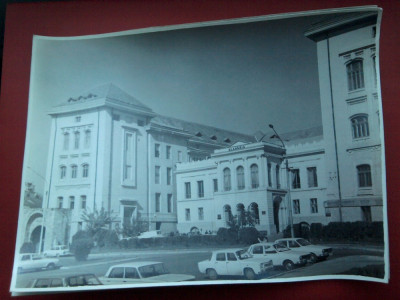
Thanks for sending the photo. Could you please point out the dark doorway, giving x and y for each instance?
(35, 238)
(277, 205)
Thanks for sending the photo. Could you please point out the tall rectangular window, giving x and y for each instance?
(168, 152)
(66, 141)
(158, 202)
(77, 136)
(74, 171)
(187, 214)
(83, 202)
(364, 176)
(278, 176)
(169, 176)
(169, 203)
(85, 170)
(87, 138)
(296, 207)
(269, 175)
(129, 157)
(314, 205)
(240, 177)
(312, 177)
(215, 182)
(63, 172)
(355, 75)
(71, 202)
(60, 202)
(200, 188)
(201, 214)
(359, 126)
(295, 178)
(188, 192)
(157, 175)
(157, 150)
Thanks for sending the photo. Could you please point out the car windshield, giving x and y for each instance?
(243, 254)
(153, 270)
(281, 248)
(303, 242)
(82, 280)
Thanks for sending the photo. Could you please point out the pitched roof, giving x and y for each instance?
(299, 136)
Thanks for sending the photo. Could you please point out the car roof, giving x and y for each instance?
(288, 239)
(137, 264)
(229, 250)
(261, 244)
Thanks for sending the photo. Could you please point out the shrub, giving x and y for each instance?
(227, 235)
(248, 235)
(81, 245)
(28, 247)
(316, 231)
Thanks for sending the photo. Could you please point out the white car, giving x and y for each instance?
(57, 251)
(141, 272)
(32, 261)
(317, 252)
(236, 262)
(280, 255)
(150, 234)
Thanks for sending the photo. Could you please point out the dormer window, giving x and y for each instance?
(77, 119)
(227, 140)
(199, 134)
(213, 137)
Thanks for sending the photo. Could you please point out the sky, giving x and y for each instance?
(239, 77)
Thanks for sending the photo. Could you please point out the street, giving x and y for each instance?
(184, 261)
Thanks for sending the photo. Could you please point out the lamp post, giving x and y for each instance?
(289, 200)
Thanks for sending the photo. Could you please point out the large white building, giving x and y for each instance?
(110, 151)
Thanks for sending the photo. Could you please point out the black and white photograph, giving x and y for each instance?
(234, 151)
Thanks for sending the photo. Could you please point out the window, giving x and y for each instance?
(254, 176)
(374, 66)
(169, 176)
(231, 256)
(314, 205)
(364, 176)
(359, 126)
(74, 171)
(60, 202)
(366, 213)
(312, 177)
(77, 136)
(240, 177)
(157, 150)
(83, 202)
(169, 203)
(355, 75)
(77, 119)
(129, 157)
(295, 178)
(227, 179)
(117, 272)
(296, 207)
(278, 176)
(179, 156)
(215, 183)
(201, 214)
(220, 257)
(187, 214)
(131, 273)
(66, 141)
(158, 202)
(200, 188)
(85, 170)
(87, 138)
(188, 192)
(157, 175)
(168, 152)
(71, 202)
(63, 172)
(269, 175)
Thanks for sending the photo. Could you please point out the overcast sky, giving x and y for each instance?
(239, 77)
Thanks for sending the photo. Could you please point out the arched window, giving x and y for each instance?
(227, 179)
(74, 171)
(355, 75)
(77, 136)
(66, 141)
(63, 172)
(241, 217)
(364, 176)
(240, 177)
(85, 170)
(359, 126)
(227, 213)
(254, 176)
(254, 212)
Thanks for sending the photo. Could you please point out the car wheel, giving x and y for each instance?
(249, 274)
(288, 265)
(212, 274)
(51, 266)
(313, 258)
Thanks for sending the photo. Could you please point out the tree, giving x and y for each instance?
(96, 220)
(31, 198)
(137, 226)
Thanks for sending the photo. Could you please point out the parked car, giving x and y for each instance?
(141, 272)
(32, 261)
(150, 234)
(57, 251)
(71, 281)
(317, 252)
(280, 255)
(235, 262)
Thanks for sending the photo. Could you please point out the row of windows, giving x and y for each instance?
(74, 171)
(71, 202)
(157, 175)
(312, 178)
(240, 178)
(157, 152)
(200, 214)
(200, 188)
(158, 200)
(77, 140)
(313, 206)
